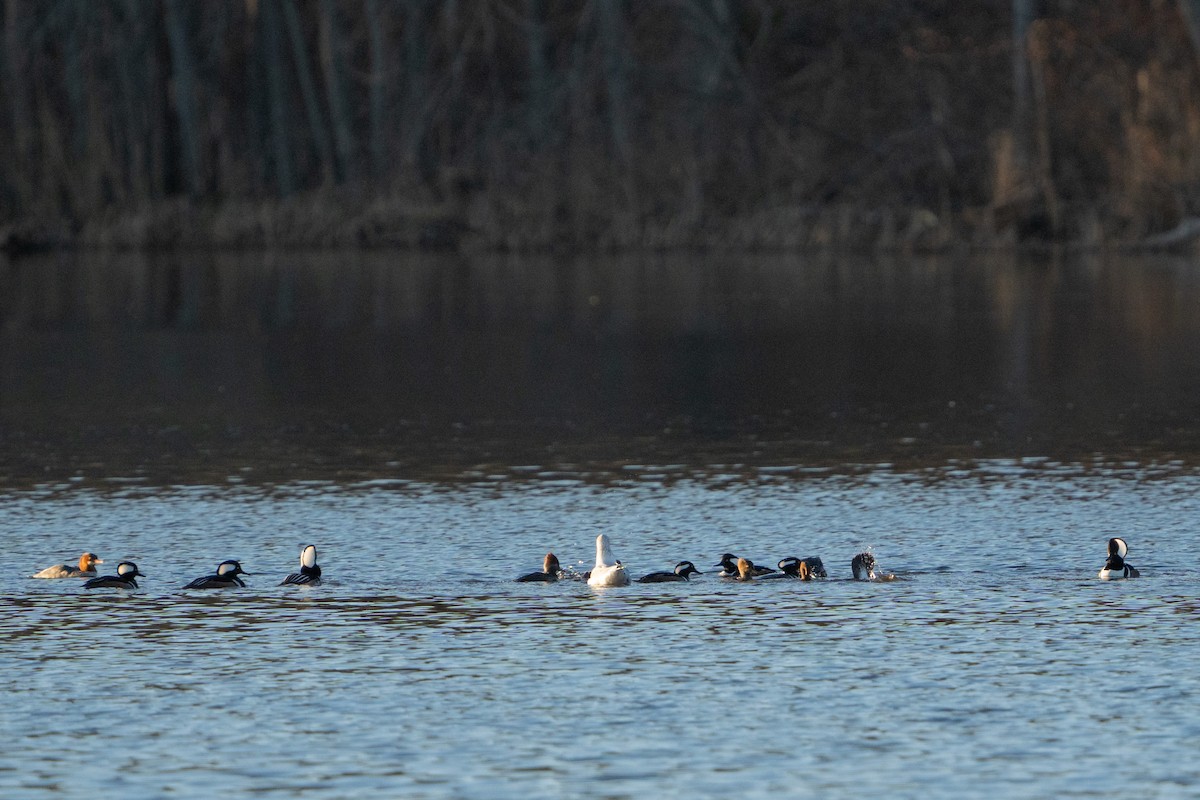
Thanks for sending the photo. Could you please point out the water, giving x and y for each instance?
(988, 480)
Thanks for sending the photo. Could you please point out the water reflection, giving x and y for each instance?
(377, 363)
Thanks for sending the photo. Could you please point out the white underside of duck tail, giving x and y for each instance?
(608, 571)
(609, 576)
(1113, 575)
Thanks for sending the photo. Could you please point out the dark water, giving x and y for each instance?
(368, 364)
(436, 425)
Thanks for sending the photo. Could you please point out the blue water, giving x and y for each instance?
(996, 665)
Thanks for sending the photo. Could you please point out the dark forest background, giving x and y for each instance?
(598, 124)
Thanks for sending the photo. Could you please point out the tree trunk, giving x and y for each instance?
(277, 98)
(184, 76)
(335, 89)
(308, 92)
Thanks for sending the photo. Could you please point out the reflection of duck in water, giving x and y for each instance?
(682, 570)
(729, 564)
(863, 566)
(608, 570)
(124, 579)
(1115, 567)
(86, 568)
(549, 573)
(310, 571)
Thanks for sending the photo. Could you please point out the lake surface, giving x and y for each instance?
(436, 426)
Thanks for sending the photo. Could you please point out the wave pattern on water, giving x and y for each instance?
(995, 665)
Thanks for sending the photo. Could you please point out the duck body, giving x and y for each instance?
(729, 567)
(681, 572)
(863, 567)
(1115, 567)
(792, 567)
(85, 569)
(310, 571)
(549, 573)
(226, 577)
(127, 571)
(608, 570)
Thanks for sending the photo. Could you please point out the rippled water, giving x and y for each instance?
(436, 424)
(996, 665)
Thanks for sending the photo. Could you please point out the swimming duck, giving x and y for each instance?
(608, 570)
(124, 579)
(86, 568)
(309, 574)
(1115, 567)
(792, 567)
(682, 570)
(863, 567)
(225, 577)
(549, 573)
(746, 570)
(729, 564)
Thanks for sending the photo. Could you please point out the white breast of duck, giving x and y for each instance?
(608, 570)
(310, 572)
(1115, 567)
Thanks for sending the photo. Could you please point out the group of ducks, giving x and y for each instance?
(609, 571)
(226, 576)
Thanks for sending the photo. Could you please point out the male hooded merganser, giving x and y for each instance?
(792, 567)
(1115, 567)
(124, 579)
(863, 567)
(310, 573)
(549, 573)
(682, 570)
(225, 577)
(608, 570)
(729, 564)
(86, 568)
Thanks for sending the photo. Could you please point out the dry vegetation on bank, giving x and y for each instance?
(534, 124)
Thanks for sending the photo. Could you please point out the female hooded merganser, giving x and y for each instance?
(124, 579)
(1115, 567)
(549, 573)
(225, 577)
(310, 573)
(729, 564)
(682, 570)
(86, 568)
(746, 570)
(608, 570)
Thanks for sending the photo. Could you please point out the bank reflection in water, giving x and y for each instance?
(994, 352)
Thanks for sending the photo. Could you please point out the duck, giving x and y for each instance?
(608, 570)
(1115, 567)
(225, 577)
(747, 571)
(863, 567)
(124, 579)
(681, 572)
(549, 573)
(729, 567)
(792, 567)
(310, 572)
(86, 568)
